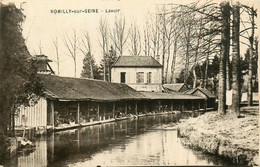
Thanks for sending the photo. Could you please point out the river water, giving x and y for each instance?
(145, 141)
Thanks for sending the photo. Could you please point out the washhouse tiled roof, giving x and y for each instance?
(136, 61)
(170, 96)
(79, 89)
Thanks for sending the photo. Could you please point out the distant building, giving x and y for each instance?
(143, 73)
(176, 87)
(210, 97)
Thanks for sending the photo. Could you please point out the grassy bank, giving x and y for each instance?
(225, 135)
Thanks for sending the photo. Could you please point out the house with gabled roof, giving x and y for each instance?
(143, 73)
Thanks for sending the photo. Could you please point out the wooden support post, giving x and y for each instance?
(159, 102)
(182, 106)
(205, 105)
(114, 108)
(126, 108)
(192, 105)
(88, 111)
(78, 111)
(136, 113)
(98, 112)
(148, 107)
(104, 109)
(171, 106)
(199, 105)
(52, 114)
(145, 108)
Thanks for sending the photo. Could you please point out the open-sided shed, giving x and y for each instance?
(69, 100)
(210, 97)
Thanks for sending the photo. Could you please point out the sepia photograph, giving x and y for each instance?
(95, 83)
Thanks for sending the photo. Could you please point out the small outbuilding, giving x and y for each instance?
(176, 87)
(210, 97)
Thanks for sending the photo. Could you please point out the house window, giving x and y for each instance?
(139, 77)
(149, 77)
(122, 77)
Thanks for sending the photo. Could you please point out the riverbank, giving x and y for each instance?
(225, 135)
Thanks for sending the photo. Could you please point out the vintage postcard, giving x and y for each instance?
(129, 83)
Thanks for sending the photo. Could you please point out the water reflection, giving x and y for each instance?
(146, 141)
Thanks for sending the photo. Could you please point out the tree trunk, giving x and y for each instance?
(225, 38)
(228, 68)
(163, 50)
(105, 64)
(205, 82)
(167, 62)
(173, 62)
(187, 60)
(250, 65)
(195, 76)
(58, 64)
(186, 73)
(91, 69)
(75, 67)
(235, 60)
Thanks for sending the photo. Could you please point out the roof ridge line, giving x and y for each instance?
(92, 79)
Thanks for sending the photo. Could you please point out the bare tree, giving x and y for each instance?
(187, 27)
(197, 22)
(56, 46)
(163, 30)
(135, 40)
(86, 51)
(225, 38)
(104, 42)
(252, 13)
(174, 60)
(235, 59)
(169, 29)
(71, 43)
(176, 31)
(251, 26)
(147, 39)
(40, 47)
(155, 35)
(198, 34)
(119, 34)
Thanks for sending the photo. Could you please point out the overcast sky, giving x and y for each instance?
(41, 26)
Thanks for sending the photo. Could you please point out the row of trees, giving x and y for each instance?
(187, 38)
